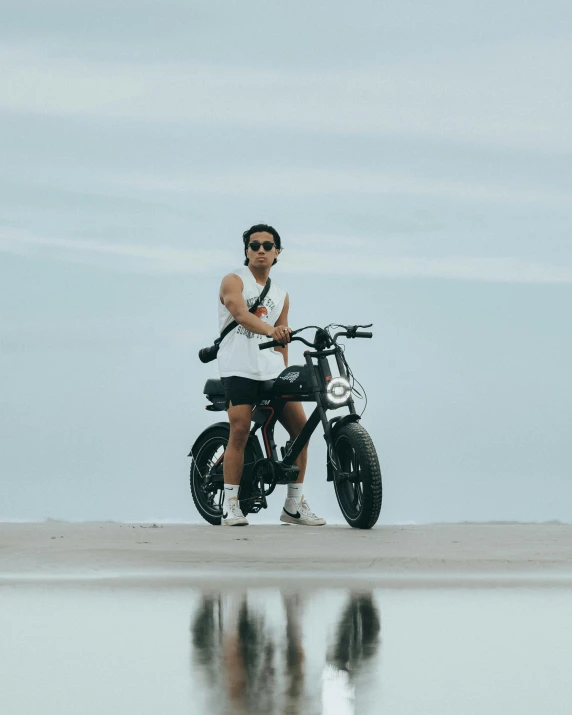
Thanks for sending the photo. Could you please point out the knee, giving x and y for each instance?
(239, 434)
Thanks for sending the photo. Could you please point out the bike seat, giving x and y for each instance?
(266, 387)
(213, 387)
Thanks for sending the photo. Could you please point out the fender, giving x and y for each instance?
(333, 426)
(216, 424)
(252, 439)
(336, 422)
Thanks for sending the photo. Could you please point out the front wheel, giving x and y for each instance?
(358, 489)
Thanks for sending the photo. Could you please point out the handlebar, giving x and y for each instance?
(271, 344)
(274, 344)
(350, 332)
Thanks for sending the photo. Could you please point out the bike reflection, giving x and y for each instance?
(259, 652)
(356, 643)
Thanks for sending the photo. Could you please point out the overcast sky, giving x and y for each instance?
(416, 159)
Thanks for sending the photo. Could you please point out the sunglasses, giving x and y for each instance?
(267, 245)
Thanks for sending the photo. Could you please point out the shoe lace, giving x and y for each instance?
(234, 507)
(306, 507)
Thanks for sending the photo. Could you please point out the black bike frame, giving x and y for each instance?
(320, 375)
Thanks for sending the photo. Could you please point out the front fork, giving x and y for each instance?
(335, 471)
(293, 448)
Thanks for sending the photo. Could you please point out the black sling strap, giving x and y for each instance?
(231, 326)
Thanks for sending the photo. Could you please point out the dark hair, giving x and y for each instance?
(257, 229)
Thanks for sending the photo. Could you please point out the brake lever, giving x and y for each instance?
(353, 328)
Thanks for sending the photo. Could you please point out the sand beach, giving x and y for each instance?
(264, 620)
(110, 550)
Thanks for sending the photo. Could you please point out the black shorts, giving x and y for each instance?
(241, 390)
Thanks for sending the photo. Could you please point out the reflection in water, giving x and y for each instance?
(260, 654)
(357, 635)
(356, 642)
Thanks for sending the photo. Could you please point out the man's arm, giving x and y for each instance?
(283, 321)
(231, 297)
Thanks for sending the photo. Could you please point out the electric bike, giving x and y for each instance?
(352, 463)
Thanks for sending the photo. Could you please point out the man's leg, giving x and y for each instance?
(293, 419)
(239, 417)
(296, 509)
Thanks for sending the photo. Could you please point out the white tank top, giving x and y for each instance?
(238, 354)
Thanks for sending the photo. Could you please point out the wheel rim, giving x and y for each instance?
(350, 492)
(208, 460)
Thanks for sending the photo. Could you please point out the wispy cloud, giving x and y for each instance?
(516, 96)
(308, 181)
(126, 256)
(467, 268)
(169, 259)
(111, 333)
(298, 181)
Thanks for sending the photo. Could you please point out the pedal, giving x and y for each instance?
(284, 450)
(255, 503)
(263, 471)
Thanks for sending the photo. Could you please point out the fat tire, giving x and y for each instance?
(364, 449)
(219, 432)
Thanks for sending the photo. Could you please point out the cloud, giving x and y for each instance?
(308, 181)
(516, 96)
(111, 333)
(126, 256)
(170, 260)
(298, 181)
(466, 268)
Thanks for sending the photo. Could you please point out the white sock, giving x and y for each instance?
(295, 491)
(230, 490)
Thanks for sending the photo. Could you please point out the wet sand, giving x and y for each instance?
(263, 620)
(531, 552)
(68, 649)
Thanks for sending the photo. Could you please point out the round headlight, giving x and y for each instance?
(339, 390)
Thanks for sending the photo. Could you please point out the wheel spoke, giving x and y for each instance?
(357, 496)
(206, 464)
(350, 491)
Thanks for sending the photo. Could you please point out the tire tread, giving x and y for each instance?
(369, 462)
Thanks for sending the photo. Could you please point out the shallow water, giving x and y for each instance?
(113, 650)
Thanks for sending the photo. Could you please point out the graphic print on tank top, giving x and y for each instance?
(262, 312)
(239, 353)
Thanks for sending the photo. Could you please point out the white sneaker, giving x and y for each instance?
(232, 514)
(299, 512)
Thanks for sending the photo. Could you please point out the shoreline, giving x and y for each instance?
(391, 556)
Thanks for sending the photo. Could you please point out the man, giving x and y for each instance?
(249, 666)
(243, 368)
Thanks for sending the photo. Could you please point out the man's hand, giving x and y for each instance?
(280, 333)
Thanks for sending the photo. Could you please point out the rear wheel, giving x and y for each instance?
(359, 490)
(206, 478)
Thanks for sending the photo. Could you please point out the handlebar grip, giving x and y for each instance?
(363, 335)
(271, 344)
